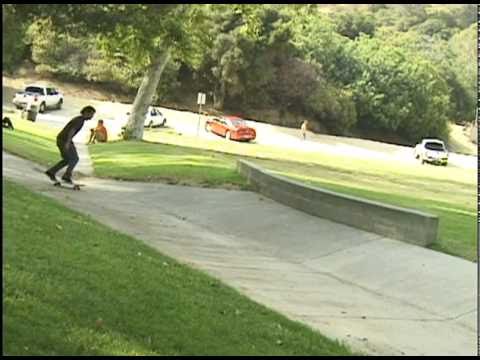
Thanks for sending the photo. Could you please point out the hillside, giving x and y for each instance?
(395, 73)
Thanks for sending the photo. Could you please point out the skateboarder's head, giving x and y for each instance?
(88, 112)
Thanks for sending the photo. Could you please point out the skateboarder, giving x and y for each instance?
(66, 146)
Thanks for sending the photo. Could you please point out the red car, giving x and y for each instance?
(231, 127)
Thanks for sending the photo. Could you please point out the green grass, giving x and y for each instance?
(139, 161)
(452, 201)
(32, 141)
(447, 192)
(172, 164)
(340, 162)
(63, 272)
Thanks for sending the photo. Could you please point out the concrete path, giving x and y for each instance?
(378, 295)
(85, 165)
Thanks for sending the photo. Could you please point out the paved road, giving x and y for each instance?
(187, 123)
(378, 295)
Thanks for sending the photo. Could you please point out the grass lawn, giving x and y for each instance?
(75, 287)
(343, 163)
(172, 164)
(447, 192)
(33, 141)
(130, 161)
(452, 201)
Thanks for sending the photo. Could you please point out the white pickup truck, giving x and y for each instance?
(44, 97)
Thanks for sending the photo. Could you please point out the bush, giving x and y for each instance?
(15, 50)
(332, 107)
(398, 93)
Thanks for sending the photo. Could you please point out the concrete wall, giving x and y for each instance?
(393, 222)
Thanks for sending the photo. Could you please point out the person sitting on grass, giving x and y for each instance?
(98, 134)
(7, 123)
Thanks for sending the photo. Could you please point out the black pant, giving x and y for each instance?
(69, 157)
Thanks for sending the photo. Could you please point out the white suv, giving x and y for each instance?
(431, 151)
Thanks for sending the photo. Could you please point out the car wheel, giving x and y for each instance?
(42, 108)
(228, 136)
(59, 104)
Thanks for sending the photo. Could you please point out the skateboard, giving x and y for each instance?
(73, 186)
(60, 183)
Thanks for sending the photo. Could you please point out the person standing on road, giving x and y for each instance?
(66, 146)
(304, 129)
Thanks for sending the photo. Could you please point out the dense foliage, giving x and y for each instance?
(396, 70)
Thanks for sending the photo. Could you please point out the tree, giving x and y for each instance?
(13, 29)
(226, 72)
(139, 35)
(147, 34)
(353, 23)
(399, 93)
(297, 60)
(333, 107)
(454, 58)
(317, 41)
(57, 52)
(464, 49)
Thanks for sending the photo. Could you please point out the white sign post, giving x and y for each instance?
(200, 101)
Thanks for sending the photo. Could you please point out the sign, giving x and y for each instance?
(201, 99)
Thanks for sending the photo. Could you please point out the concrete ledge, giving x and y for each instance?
(407, 225)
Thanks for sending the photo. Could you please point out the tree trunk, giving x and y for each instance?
(135, 124)
(219, 96)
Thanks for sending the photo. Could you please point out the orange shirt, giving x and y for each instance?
(101, 133)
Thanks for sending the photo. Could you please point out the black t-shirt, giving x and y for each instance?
(70, 130)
